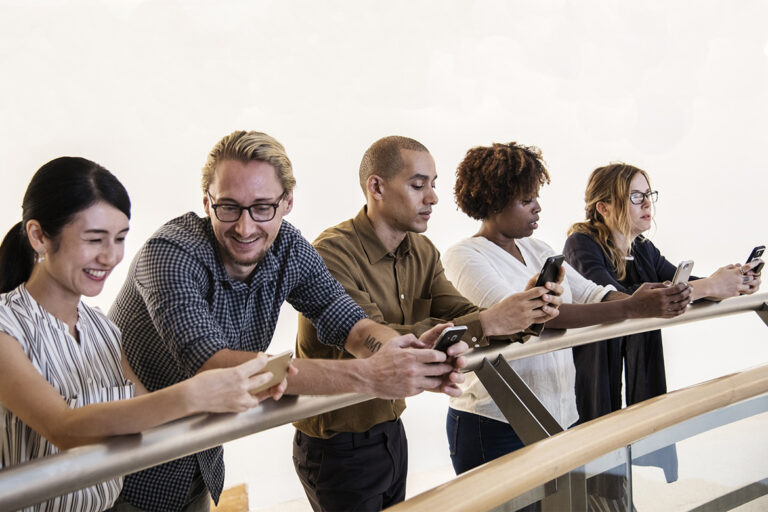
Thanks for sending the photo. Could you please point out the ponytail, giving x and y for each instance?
(16, 259)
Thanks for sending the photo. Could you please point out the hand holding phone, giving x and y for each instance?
(683, 272)
(549, 274)
(755, 254)
(278, 365)
(449, 336)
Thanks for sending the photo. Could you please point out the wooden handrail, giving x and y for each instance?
(498, 481)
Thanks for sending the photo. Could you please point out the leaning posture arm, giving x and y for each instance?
(32, 398)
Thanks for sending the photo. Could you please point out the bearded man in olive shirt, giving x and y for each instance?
(356, 458)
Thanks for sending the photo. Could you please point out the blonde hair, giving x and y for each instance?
(247, 146)
(609, 184)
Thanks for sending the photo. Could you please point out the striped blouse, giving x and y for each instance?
(84, 373)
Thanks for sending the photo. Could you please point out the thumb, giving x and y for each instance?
(430, 337)
(652, 286)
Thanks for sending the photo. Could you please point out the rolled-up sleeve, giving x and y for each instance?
(172, 285)
(320, 298)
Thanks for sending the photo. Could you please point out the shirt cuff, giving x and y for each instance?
(474, 336)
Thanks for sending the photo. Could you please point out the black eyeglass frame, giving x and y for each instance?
(652, 196)
(215, 207)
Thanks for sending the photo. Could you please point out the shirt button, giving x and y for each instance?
(402, 296)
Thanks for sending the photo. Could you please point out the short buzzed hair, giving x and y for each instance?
(244, 147)
(384, 159)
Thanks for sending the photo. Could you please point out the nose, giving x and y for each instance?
(431, 197)
(244, 224)
(536, 206)
(111, 255)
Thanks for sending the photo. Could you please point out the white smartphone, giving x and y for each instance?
(683, 272)
(278, 365)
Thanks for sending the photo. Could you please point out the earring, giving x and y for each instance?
(40, 257)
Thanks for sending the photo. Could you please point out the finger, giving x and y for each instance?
(460, 362)
(457, 349)
(451, 390)
(456, 377)
(255, 365)
(276, 392)
(259, 379)
(531, 282)
(436, 369)
(561, 274)
(406, 340)
(430, 337)
(555, 288)
(292, 370)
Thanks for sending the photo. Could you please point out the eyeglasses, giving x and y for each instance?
(259, 212)
(639, 197)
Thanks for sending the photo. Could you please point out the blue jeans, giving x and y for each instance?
(475, 440)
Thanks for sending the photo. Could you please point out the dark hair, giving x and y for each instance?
(384, 159)
(58, 191)
(489, 178)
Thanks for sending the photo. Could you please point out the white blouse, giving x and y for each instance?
(486, 274)
(84, 373)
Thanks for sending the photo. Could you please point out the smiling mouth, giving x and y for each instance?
(97, 275)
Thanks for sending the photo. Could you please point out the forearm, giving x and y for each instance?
(367, 337)
(227, 358)
(328, 377)
(91, 423)
(583, 315)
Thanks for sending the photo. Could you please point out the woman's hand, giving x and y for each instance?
(728, 281)
(228, 389)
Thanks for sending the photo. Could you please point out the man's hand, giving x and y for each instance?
(659, 300)
(535, 305)
(404, 367)
(450, 381)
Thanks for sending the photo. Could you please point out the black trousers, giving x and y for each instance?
(353, 471)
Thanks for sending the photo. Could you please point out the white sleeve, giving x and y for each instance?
(583, 290)
(476, 277)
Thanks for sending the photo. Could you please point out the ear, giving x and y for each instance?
(603, 209)
(206, 205)
(375, 187)
(288, 200)
(36, 237)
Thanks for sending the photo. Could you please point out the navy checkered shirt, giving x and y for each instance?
(178, 307)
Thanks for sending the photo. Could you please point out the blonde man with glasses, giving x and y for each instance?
(205, 292)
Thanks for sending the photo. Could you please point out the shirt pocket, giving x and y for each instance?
(421, 310)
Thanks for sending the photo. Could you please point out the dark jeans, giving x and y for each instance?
(353, 471)
(475, 439)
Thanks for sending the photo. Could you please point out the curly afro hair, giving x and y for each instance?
(490, 177)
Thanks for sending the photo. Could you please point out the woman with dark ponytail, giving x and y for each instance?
(64, 380)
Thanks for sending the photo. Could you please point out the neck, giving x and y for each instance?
(487, 230)
(59, 302)
(389, 235)
(622, 243)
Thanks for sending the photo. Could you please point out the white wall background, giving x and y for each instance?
(146, 88)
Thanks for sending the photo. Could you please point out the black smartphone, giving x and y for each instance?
(449, 336)
(756, 253)
(549, 273)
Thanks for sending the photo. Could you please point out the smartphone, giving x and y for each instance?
(756, 253)
(549, 273)
(683, 272)
(278, 365)
(449, 336)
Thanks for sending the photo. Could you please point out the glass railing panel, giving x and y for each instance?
(723, 468)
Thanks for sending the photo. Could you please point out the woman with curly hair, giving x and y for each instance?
(499, 185)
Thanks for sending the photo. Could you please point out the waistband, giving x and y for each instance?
(376, 434)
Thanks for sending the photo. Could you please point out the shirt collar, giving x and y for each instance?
(372, 246)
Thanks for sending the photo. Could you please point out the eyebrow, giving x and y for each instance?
(103, 231)
(420, 177)
(258, 200)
